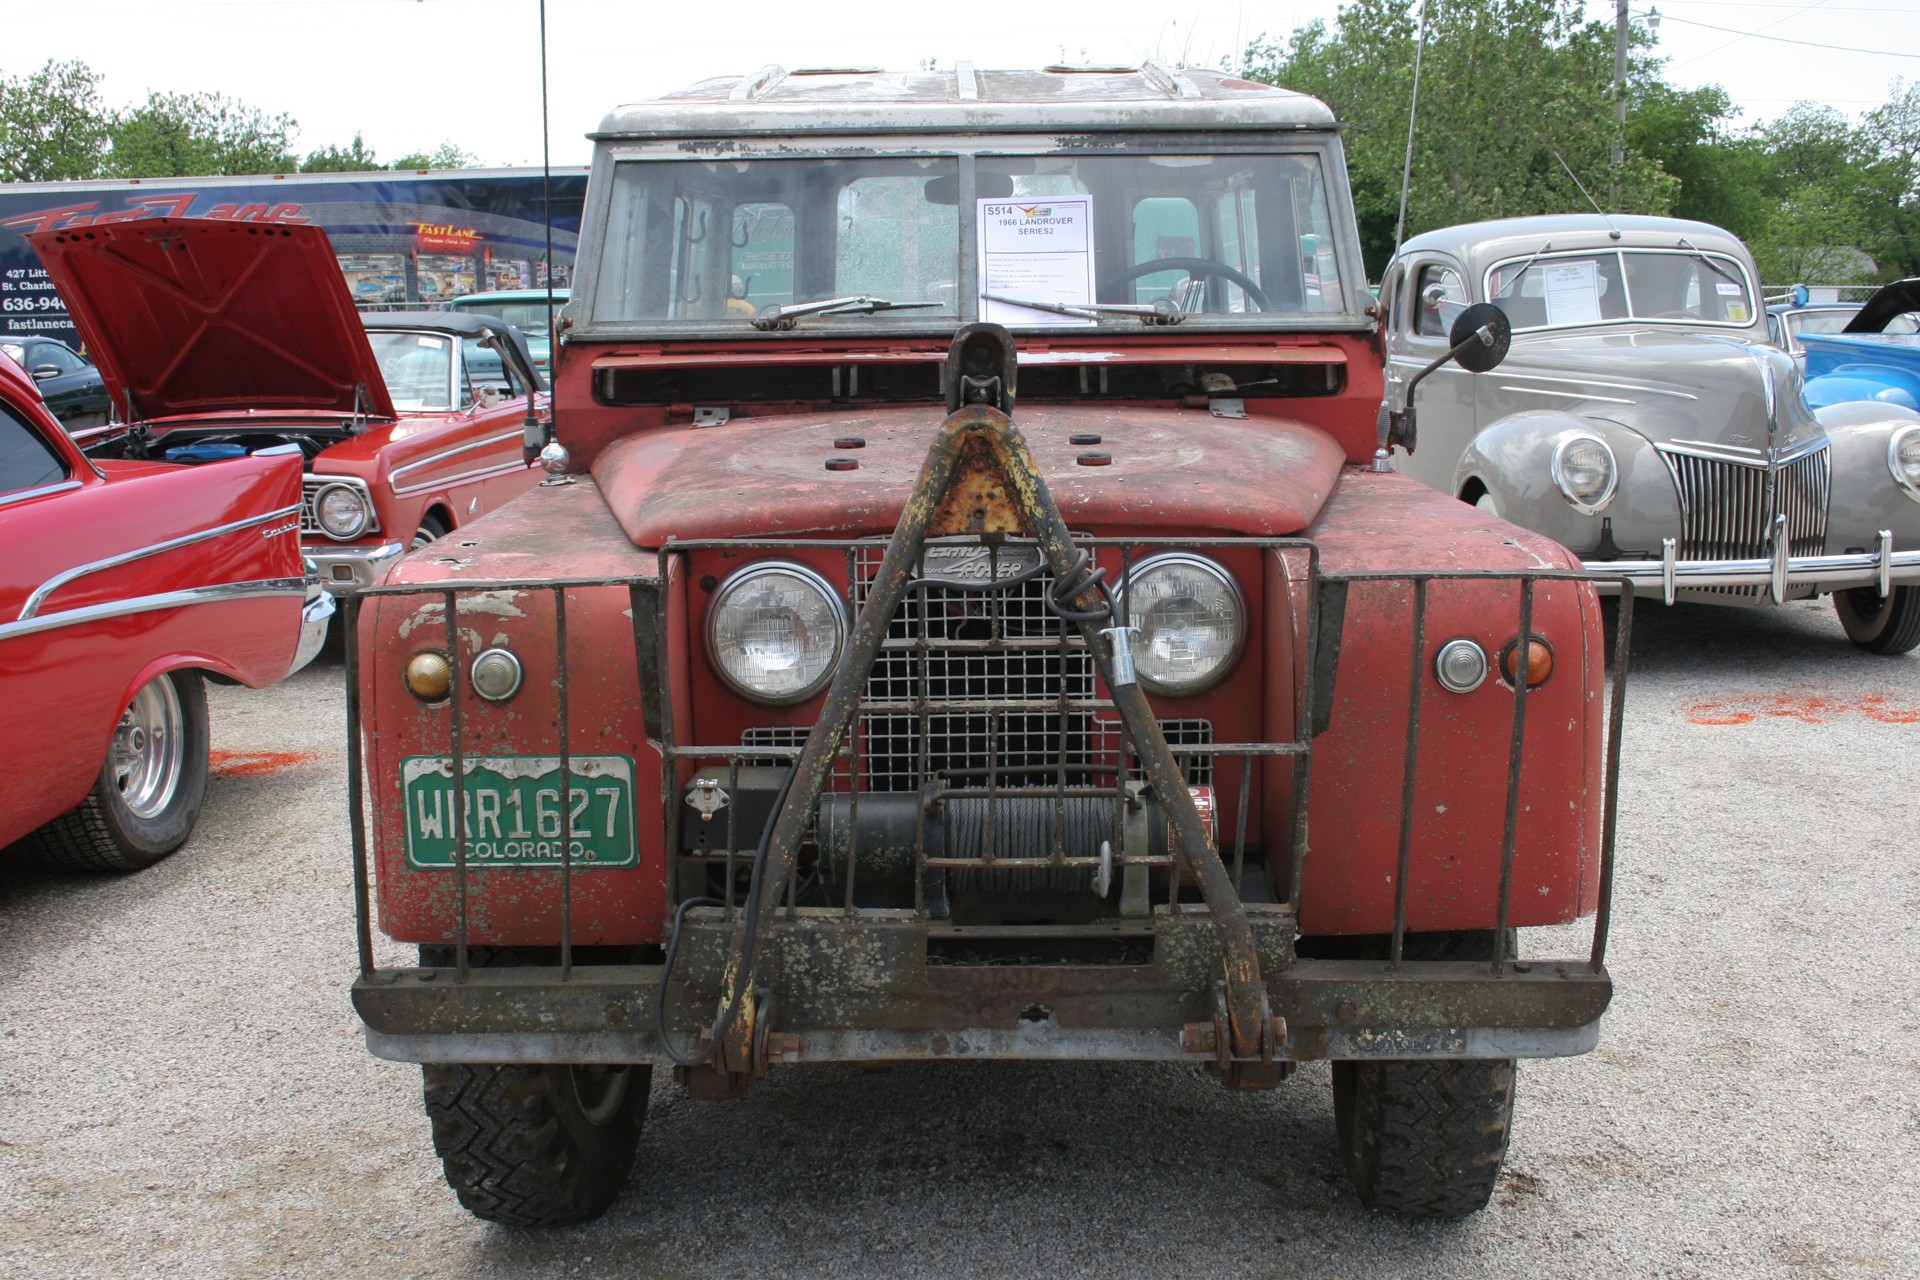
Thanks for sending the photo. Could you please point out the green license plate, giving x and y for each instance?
(514, 813)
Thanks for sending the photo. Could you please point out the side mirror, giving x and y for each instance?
(1480, 340)
(1481, 337)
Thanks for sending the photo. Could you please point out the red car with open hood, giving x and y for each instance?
(218, 339)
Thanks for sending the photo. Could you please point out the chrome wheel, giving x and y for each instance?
(148, 755)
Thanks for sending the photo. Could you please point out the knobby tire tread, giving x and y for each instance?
(513, 1157)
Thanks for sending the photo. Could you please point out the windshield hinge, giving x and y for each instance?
(711, 415)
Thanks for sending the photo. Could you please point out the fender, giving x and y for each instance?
(1866, 497)
(1511, 459)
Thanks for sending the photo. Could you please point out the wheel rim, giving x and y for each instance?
(601, 1091)
(149, 750)
(1867, 602)
(424, 536)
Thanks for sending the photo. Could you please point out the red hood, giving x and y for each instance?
(193, 316)
(1167, 469)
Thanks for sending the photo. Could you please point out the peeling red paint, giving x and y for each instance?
(254, 764)
(1809, 708)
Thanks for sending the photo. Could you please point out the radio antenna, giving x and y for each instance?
(1413, 112)
(538, 442)
(1613, 232)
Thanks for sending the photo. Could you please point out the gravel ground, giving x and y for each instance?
(183, 1091)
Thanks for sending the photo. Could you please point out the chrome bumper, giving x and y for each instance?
(313, 621)
(345, 570)
(1883, 568)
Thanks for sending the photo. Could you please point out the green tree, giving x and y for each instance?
(1892, 132)
(1818, 222)
(444, 156)
(52, 124)
(1723, 175)
(1509, 89)
(357, 158)
(192, 134)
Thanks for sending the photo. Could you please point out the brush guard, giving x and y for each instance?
(780, 981)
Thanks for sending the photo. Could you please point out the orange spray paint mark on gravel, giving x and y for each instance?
(254, 764)
(1807, 708)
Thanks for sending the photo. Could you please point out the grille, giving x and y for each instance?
(977, 683)
(1726, 508)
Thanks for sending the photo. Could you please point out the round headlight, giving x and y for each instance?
(342, 512)
(496, 675)
(1460, 666)
(1584, 472)
(775, 631)
(1189, 619)
(1903, 459)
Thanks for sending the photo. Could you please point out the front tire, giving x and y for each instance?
(432, 529)
(1879, 624)
(532, 1146)
(1423, 1138)
(148, 796)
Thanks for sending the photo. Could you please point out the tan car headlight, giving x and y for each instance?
(1189, 621)
(775, 630)
(1583, 470)
(1903, 459)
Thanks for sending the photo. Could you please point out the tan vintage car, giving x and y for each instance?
(1644, 420)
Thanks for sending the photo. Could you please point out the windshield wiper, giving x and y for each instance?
(774, 316)
(1711, 265)
(1160, 311)
(1507, 292)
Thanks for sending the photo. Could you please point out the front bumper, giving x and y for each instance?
(344, 570)
(864, 989)
(1883, 568)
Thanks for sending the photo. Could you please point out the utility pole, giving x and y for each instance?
(1619, 100)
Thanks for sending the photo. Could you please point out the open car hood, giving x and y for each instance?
(189, 316)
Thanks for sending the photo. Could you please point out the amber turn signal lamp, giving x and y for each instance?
(429, 675)
(1539, 661)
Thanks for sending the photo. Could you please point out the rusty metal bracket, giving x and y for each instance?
(980, 478)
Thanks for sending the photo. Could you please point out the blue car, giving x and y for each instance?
(1875, 357)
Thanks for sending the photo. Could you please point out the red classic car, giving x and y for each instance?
(219, 339)
(123, 584)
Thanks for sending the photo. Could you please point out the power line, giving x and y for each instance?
(1754, 35)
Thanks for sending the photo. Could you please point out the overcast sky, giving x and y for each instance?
(410, 74)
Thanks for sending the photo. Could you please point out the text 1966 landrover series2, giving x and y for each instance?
(970, 615)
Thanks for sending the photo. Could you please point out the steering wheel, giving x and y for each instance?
(1193, 267)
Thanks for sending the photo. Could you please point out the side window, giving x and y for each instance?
(26, 461)
(52, 353)
(483, 367)
(1440, 296)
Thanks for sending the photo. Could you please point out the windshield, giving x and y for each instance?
(417, 368)
(529, 318)
(1612, 285)
(1098, 240)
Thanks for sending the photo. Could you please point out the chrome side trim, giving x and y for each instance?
(149, 604)
(59, 580)
(430, 459)
(1825, 573)
(314, 617)
(1637, 387)
(1564, 395)
(41, 492)
(508, 468)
